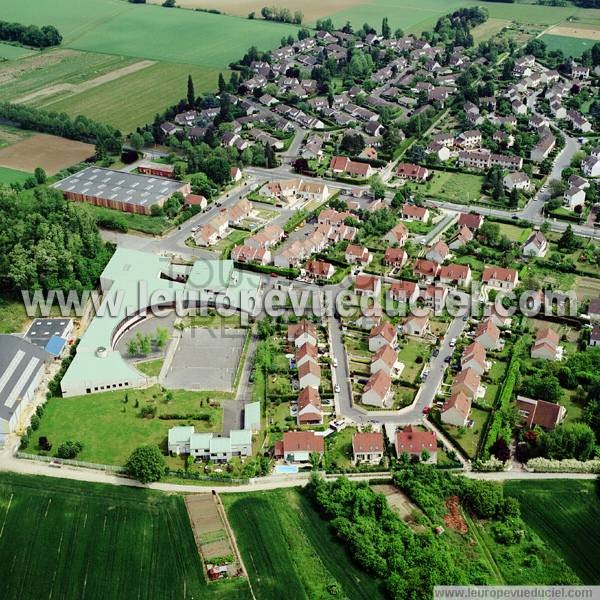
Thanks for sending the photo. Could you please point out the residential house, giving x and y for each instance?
(415, 442)
(416, 326)
(367, 285)
(434, 296)
(487, 334)
(535, 245)
(309, 375)
(467, 381)
(540, 413)
(381, 335)
(438, 252)
(426, 270)
(546, 344)
(404, 291)
(464, 236)
(454, 274)
(579, 122)
(595, 335)
(357, 255)
(343, 165)
(474, 358)
(306, 352)
(500, 278)
(309, 407)
(248, 254)
(378, 390)
(516, 180)
(398, 235)
(297, 446)
(456, 410)
(319, 269)
(573, 198)
(367, 447)
(410, 172)
(410, 212)
(471, 220)
(591, 166)
(543, 148)
(395, 257)
(302, 333)
(469, 139)
(384, 359)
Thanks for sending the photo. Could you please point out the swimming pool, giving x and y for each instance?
(286, 469)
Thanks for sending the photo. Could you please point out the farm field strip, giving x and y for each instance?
(566, 515)
(571, 46)
(9, 176)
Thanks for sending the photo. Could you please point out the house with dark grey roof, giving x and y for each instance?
(21, 368)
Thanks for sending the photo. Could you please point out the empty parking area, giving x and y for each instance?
(206, 359)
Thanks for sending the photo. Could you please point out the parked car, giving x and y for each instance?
(335, 362)
(452, 342)
(337, 388)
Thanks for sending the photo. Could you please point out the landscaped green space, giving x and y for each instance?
(289, 550)
(12, 175)
(153, 89)
(142, 223)
(455, 187)
(69, 540)
(514, 233)
(408, 354)
(110, 425)
(213, 319)
(150, 367)
(468, 437)
(570, 46)
(339, 448)
(566, 515)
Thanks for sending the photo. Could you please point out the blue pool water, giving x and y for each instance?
(286, 469)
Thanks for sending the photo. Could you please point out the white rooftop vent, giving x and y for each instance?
(101, 352)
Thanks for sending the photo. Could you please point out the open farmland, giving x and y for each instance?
(74, 540)
(571, 46)
(43, 70)
(288, 549)
(50, 152)
(11, 52)
(152, 32)
(566, 515)
(12, 176)
(134, 99)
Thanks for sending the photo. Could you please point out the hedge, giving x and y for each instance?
(289, 273)
(569, 465)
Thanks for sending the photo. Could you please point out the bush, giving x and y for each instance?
(146, 464)
(35, 422)
(69, 449)
(44, 443)
(569, 465)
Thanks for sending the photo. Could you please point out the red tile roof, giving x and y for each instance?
(414, 441)
(367, 442)
(302, 441)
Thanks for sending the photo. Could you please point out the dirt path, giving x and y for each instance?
(51, 90)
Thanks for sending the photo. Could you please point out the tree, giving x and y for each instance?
(40, 175)
(161, 337)
(44, 443)
(69, 449)
(377, 187)
(567, 240)
(398, 200)
(137, 141)
(569, 440)
(386, 31)
(500, 449)
(222, 84)
(352, 143)
(146, 464)
(191, 94)
(315, 460)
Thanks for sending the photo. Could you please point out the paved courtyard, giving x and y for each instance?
(206, 359)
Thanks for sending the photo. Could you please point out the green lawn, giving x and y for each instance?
(70, 540)
(150, 367)
(142, 223)
(514, 233)
(455, 187)
(566, 515)
(571, 46)
(339, 447)
(468, 437)
(110, 429)
(9, 176)
(213, 319)
(133, 100)
(289, 550)
(408, 354)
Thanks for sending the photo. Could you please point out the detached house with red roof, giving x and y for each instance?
(455, 275)
(297, 446)
(500, 278)
(416, 326)
(343, 165)
(367, 447)
(309, 375)
(410, 172)
(398, 235)
(378, 390)
(319, 269)
(306, 352)
(425, 270)
(385, 359)
(467, 381)
(357, 255)
(410, 212)
(309, 407)
(413, 441)
(381, 335)
(367, 285)
(546, 345)
(438, 252)
(470, 220)
(539, 412)
(395, 258)
(487, 334)
(474, 357)
(404, 291)
(456, 410)
(302, 333)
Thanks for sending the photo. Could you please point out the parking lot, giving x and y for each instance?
(206, 359)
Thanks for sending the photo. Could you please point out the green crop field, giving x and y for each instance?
(289, 551)
(110, 428)
(11, 52)
(566, 515)
(133, 100)
(149, 31)
(571, 46)
(12, 175)
(70, 540)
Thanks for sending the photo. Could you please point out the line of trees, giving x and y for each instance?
(108, 139)
(30, 35)
(281, 15)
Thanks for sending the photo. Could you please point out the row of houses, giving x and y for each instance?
(218, 226)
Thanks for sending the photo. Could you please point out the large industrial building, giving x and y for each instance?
(128, 192)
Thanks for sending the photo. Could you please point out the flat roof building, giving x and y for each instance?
(128, 192)
(50, 334)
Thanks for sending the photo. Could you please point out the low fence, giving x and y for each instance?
(70, 462)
